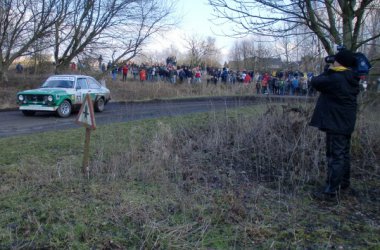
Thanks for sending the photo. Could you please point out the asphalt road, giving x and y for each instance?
(13, 122)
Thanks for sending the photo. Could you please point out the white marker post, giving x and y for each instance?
(86, 118)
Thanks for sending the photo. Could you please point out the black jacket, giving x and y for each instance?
(336, 107)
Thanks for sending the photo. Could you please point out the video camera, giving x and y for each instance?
(362, 64)
(331, 59)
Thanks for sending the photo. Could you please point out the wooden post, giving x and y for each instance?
(86, 153)
(86, 118)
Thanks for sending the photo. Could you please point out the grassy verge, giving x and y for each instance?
(235, 179)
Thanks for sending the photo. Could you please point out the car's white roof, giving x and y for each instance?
(67, 75)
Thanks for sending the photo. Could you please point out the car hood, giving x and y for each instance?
(45, 91)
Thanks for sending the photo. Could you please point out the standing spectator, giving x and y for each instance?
(288, 84)
(153, 74)
(100, 60)
(109, 65)
(142, 75)
(73, 66)
(294, 87)
(270, 84)
(335, 114)
(247, 79)
(243, 74)
(114, 72)
(189, 75)
(172, 75)
(135, 71)
(149, 73)
(19, 68)
(303, 86)
(276, 86)
(224, 75)
(258, 79)
(125, 72)
(310, 90)
(265, 82)
(198, 75)
(233, 77)
(181, 75)
(281, 84)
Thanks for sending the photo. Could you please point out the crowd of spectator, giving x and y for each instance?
(169, 72)
(276, 83)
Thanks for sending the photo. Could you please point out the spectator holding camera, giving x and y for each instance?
(335, 114)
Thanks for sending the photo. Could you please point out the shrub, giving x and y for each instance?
(228, 149)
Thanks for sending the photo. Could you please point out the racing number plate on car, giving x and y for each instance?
(34, 106)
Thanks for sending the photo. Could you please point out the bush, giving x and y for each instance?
(224, 150)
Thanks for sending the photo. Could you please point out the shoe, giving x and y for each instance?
(323, 196)
(349, 191)
(330, 191)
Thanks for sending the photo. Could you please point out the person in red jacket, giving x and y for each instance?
(142, 75)
(247, 79)
(265, 82)
(125, 72)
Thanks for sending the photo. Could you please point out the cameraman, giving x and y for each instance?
(335, 114)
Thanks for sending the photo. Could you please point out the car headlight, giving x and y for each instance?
(50, 98)
(21, 98)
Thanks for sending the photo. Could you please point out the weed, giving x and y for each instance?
(238, 179)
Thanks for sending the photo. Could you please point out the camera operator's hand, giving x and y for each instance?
(326, 68)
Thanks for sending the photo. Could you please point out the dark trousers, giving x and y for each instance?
(338, 161)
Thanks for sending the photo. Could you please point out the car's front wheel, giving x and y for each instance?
(64, 110)
(28, 112)
(99, 104)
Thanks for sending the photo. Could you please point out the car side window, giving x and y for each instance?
(81, 82)
(93, 84)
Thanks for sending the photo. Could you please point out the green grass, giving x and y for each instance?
(146, 191)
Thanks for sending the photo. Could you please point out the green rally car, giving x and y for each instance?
(62, 94)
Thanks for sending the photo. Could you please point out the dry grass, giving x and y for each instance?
(277, 146)
(242, 181)
(238, 179)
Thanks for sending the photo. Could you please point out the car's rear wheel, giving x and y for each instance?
(64, 110)
(99, 104)
(28, 112)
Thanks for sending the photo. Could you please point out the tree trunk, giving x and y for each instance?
(3, 75)
(62, 67)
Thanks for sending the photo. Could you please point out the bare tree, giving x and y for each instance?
(243, 54)
(200, 49)
(248, 53)
(145, 18)
(373, 28)
(262, 52)
(236, 56)
(285, 45)
(117, 27)
(332, 21)
(22, 24)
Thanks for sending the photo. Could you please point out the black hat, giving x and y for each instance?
(345, 58)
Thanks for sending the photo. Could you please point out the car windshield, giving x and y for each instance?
(55, 83)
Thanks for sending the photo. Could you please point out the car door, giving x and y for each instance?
(81, 90)
(95, 88)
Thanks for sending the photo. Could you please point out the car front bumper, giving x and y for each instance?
(37, 108)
